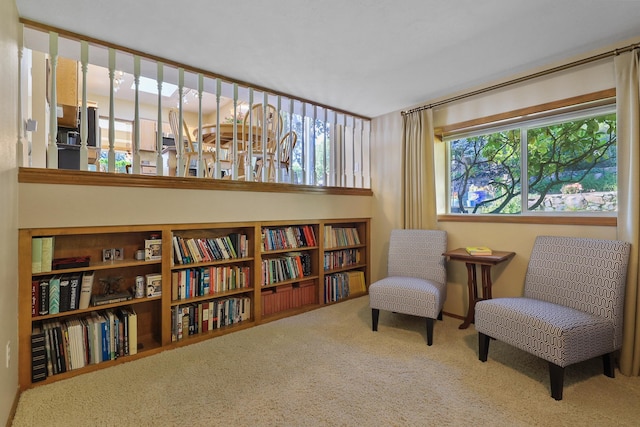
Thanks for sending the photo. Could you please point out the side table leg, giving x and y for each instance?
(486, 282)
(473, 294)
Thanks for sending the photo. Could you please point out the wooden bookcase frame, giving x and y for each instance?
(155, 314)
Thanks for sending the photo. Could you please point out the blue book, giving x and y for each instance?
(104, 331)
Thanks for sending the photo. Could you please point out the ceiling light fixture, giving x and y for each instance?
(118, 78)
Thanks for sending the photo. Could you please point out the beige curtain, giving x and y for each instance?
(419, 190)
(628, 117)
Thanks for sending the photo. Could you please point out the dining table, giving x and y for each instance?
(210, 132)
(243, 133)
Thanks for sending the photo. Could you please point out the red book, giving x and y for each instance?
(35, 296)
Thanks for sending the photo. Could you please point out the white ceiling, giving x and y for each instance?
(368, 57)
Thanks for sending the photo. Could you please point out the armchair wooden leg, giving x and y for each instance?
(440, 315)
(375, 314)
(556, 376)
(430, 322)
(483, 346)
(609, 365)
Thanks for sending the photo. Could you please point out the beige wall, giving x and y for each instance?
(387, 182)
(8, 206)
(42, 205)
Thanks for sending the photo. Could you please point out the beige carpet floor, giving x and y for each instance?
(327, 368)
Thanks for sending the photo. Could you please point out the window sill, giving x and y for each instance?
(608, 221)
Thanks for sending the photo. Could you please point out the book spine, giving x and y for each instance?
(35, 297)
(179, 258)
(74, 292)
(86, 290)
(104, 331)
(44, 297)
(54, 295)
(38, 356)
(52, 366)
(65, 293)
(47, 253)
(36, 255)
(133, 332)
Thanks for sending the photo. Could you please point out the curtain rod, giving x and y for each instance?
(525, 78)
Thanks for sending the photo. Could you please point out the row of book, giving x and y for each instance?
(206, 249)
(335, 237)
(61, 292)
(292, 265)
(200, 281)
(61, 346)
(196, 318)
(275, 300)
(42, 254)
(299, 236)
(341, 285)
(342, 258)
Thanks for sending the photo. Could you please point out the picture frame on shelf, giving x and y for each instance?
(153, 249)
(107, 255)
(154, 285)
(118, 254)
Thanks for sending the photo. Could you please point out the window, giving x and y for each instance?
(563, 164)
(123, 137)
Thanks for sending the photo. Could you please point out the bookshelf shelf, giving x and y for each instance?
(289, 282)
(110, 265)
(295, 250)
(284, 251)
(358, 266)
(216, 295)
(209, 263)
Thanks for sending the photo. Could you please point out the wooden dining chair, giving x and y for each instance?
(287, 144)
(263, 125)
(187, 148)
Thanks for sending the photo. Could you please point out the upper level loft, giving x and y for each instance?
(119, 111)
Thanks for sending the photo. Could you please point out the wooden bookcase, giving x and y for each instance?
(344, 253)
(236, 286)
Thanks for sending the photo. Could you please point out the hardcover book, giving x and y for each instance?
(478, 250)
(35, 297)
(74, 291)
(44, 297)
(36, 255)
(73, 262)
(110, 298)
(38, 355)
(47, 253)
(65, 293)
(133, 331)
(86, 290)
(54, 295)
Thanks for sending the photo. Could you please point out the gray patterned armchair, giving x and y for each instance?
(572, 306)
(416, 281)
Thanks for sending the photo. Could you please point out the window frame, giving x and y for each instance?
(597, 103)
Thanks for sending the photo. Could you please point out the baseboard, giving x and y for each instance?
(14, 407)
(455, 316)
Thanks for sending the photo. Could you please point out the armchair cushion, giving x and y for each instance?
(558, 334)
(408, 295)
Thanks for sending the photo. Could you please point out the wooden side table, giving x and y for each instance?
(485, 262)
